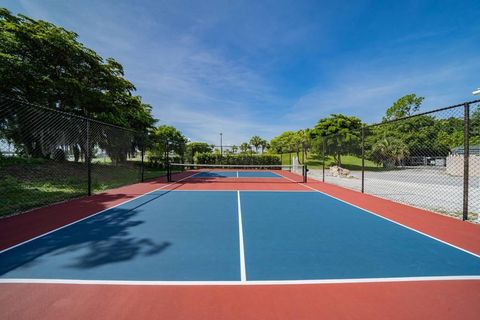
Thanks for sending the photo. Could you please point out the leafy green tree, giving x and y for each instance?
(244, 147)
(280, 144)
(341, 134)
(45, 64)
(305, 140)
(292, 141)
(284, 143)
(422, 135)
(166, 139)
(475, 125)
(193, 148)
(405, 106)
(389, 151)
(256, 141)
(234, 149)
(263, 145)
(449, 132)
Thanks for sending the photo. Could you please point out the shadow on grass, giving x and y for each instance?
(32, 183)
(19, 195)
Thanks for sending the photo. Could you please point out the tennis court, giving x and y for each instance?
(235, 228)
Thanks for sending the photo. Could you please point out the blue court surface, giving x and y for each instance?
(237, 174)
(233, 236)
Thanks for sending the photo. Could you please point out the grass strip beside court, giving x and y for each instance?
(32, 183)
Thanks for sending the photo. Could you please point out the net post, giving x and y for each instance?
(305, 173)
(89, 160)
(142, 165)
(303, 153)
(466, 159)
(323, 157)
(169, 173)
(363, 158)
(166, 160)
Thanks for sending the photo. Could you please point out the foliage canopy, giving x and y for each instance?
(45, 64)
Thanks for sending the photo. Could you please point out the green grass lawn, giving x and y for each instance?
(31, 183)
(350, 162)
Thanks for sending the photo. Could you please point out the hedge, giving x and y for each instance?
(237, 159)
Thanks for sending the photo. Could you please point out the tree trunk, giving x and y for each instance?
(339, 159)
(76, 153)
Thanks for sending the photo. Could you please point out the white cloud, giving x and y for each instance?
(368, 96)
(236, 128)
(169, 52)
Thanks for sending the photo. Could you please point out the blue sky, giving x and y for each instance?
(263, 67)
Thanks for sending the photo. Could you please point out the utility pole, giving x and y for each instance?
(221, 144)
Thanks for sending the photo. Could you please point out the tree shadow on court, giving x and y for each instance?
(96, 241)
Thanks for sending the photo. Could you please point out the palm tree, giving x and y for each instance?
(304, 139)
(244, 147)
(264, 145)
(256, 141)
(389, 151)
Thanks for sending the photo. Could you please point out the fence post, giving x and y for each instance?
(89, 160)
(167, 160)
(142, 150)
(363, 158)
(323, 157)
(303, 153)
(466, 158)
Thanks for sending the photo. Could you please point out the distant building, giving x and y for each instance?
(474, 150)
(455, 161)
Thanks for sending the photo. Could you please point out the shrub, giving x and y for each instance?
(237, 159)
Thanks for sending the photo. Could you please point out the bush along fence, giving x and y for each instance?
(429, 160)
(237, 159)
(47, 156)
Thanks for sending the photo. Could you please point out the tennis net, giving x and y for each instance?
(203, 173)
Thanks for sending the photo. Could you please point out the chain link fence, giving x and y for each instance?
(48, 156)
(430, 160)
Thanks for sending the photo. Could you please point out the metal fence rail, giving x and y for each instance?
(429, 160)
(47, 156)
(422, 160)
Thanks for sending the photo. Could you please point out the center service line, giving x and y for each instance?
(243, 273)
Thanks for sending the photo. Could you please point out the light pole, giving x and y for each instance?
(221, 144)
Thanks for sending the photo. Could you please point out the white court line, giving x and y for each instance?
(237, 174)
(234, 190)
(92, 215)
(243, 273)
(242, 282)
(393, 221)
(239, 283)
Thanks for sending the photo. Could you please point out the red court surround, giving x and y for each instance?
(439, 300)
(395, 300)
